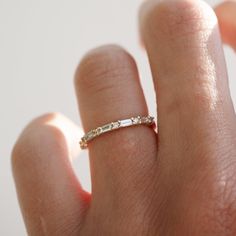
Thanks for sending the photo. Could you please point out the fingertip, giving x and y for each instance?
(70, 130)
(166, 15)
(48, 130)
(226, 13)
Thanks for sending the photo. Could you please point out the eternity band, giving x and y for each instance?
(144, 120)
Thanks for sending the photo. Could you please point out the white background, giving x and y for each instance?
(41, 42)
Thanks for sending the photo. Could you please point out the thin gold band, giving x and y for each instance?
(144, 120)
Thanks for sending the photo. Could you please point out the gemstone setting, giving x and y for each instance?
(125, 123)
(138, 120)
(106, 128)
(115, 125)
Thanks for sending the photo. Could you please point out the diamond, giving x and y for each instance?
(106, 128)
(115, 125)
(125, 123)
(136, 120)
(89, 135)
(98, 131)
(147, 120)
(151, 119)
(83, 144)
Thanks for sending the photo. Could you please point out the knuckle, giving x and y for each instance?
(225, 203)
(218, 212)
(32, 144)
(178, 18)
(211, 180)
(101, 66)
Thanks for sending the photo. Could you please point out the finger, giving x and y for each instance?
(196, 130)
(51, 199)
(108, 89)
(226, 13)
(188, 67)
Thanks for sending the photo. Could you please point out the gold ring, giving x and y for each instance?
(144, 120)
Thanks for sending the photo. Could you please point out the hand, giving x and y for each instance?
(179, 182)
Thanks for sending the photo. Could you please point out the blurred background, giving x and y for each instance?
(41, 43)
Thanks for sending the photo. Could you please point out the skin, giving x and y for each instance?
(181, 181)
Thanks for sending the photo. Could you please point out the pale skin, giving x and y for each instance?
(181, 181)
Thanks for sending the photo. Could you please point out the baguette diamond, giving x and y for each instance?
(144, 120)
(106, 128)
(125, 123)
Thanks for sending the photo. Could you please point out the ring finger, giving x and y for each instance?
(108, 89)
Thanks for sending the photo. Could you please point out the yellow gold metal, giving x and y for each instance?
(144, 120)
